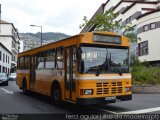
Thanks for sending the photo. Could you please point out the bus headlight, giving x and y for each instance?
(127, 89)
(88, 92)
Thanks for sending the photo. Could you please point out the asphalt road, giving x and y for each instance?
(13, 101)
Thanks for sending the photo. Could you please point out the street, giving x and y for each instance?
(13, 101)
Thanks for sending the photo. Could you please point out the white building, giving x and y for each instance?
(28, 42)
(10, 39)
(138, 13)
(148, 33)
(5, 59)
(21, 49)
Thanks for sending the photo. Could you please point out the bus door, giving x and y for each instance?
(32, 71)
(70, 68)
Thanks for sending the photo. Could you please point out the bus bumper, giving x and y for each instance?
(91, 101)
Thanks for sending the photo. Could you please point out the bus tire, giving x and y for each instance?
(24, 87)
(56, 95)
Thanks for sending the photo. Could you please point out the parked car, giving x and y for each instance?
(3, 79)
(12, 76)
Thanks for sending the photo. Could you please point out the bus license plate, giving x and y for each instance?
(110, 98)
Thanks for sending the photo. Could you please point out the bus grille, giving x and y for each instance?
(109, 88)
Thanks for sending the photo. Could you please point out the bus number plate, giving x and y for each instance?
(110, 98)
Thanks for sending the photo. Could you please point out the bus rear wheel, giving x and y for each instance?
(56, 95)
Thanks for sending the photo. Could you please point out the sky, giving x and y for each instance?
(63, 16)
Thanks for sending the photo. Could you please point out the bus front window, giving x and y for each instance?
(103, 60)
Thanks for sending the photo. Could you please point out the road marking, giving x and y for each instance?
(104, 110)
(6, 91)
(142, 111)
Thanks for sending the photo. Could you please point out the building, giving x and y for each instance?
(5, 59)
(148, 32)
(28, 42)
(10, 39)
(144, 16)
(21, 49)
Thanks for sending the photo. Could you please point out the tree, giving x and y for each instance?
(106, 22)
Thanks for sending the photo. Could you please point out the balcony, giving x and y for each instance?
(14, 50)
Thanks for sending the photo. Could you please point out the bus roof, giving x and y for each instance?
(50, 45)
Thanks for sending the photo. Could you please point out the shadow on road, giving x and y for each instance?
(70, 107)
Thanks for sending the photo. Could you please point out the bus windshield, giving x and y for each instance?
(103, 59)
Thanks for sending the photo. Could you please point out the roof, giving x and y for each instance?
(1, 21)
(134, 1)
(4, 22)
(148, 13)
(100, 10)
(141, 2)
(4, 48)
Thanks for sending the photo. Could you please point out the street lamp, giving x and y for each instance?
(41, 31)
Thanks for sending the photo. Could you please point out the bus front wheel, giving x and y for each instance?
(56, 95)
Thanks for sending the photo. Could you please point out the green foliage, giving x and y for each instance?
(105, 22)
(142, 73)
(134, 61)
(146, 75)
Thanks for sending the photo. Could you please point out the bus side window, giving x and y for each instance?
(50, 59)
(21, 62)
(59, 58)
(40, 60)
(26, 62)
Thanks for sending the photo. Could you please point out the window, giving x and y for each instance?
(21, 62)
(0, 55)
(127, 20)
(74, 59)
(143, 48)
(26, 62)
(50, 59)
(145, 28)
(3, 57)
(40, 60)
(3, 69)
(59, 57)
(153, 25)
(6, 58)
(130, 18)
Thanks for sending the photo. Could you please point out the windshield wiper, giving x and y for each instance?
(119, 71)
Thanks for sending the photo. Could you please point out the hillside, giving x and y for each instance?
(47, 36)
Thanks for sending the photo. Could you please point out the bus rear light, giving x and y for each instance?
(81, 91)
(127, 89)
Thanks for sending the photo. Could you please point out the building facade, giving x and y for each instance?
(5, 59)
(10, 39)
(141, 14)
(28, 42)
(148, 33)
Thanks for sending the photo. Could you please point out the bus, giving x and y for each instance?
(89, 68)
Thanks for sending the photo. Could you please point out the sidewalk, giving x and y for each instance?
(146, 89)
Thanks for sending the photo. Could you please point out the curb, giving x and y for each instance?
(146, 89)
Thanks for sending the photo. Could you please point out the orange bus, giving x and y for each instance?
(89, 68)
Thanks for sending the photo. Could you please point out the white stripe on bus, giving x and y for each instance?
(103, 77)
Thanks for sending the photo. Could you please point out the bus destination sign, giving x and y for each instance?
(107, 39)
